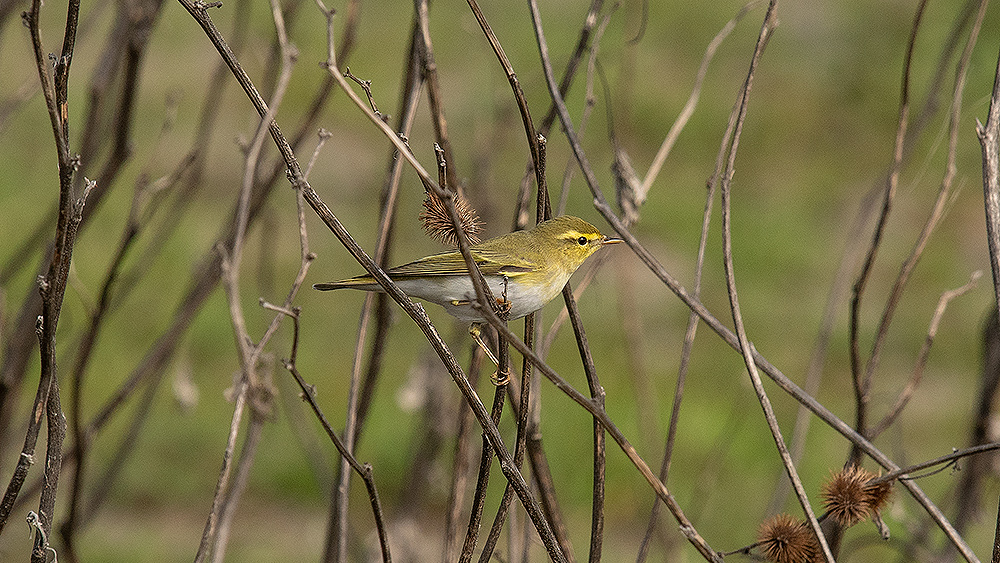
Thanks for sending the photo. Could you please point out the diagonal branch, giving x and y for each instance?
(602, 206)
(198, 11)
(862, 381)
(770, 21)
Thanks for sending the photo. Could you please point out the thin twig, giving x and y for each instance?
(235, 491)
(416, 313)
(52, 287)
(925, 350)
(366, 85)
(602, 206)
(862, 382)
(425, 49)
(152, 366)
(461, 465)
(996, 539)
(359, 392)
(522, 106)
(692, 324)
(519, 448)
(599, 456)
(590, 20)
(770, 22)
(485, 462)
(989, 138)
(215, 536)
(937, 211)
(588, 106)
(211, 525)
(692, 101)
(363, 470)
(686, 527)
(903, 473)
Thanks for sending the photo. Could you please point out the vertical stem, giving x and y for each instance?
(996, 539)
(989, 138)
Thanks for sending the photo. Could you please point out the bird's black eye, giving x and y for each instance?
(583, 241)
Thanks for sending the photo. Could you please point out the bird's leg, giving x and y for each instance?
(476, 331)
(504, 303)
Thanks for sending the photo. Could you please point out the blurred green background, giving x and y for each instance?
(818, 140)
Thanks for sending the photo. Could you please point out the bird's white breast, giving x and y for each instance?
(456, 294)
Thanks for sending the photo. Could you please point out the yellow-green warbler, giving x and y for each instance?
(524, 269)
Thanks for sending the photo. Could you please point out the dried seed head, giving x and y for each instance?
(628, 185)
(783, 539)
(846, 497)
(438, 224)
(878, 495)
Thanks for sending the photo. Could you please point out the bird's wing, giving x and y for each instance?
(502, 263)
(451, 263)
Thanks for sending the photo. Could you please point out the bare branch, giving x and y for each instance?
(989, 138)
(925, 350)
(862, 382)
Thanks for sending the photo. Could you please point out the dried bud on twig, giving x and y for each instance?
(783, 539)
(628, 186)
(850, 499)
(844, 495)
(879, 494)
(438, 224)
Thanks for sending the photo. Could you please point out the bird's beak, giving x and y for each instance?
(607, 240)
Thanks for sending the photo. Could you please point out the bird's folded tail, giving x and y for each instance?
(364, 283)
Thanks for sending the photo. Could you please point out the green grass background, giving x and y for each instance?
(817, 139)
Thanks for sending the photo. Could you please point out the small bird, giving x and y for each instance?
(524, 269)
